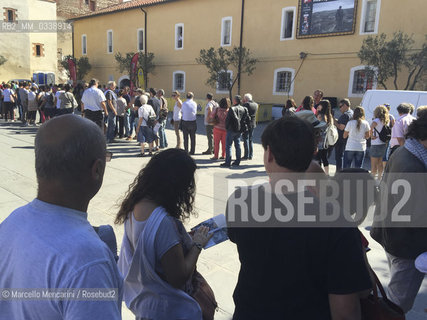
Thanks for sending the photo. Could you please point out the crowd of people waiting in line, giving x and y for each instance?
(301, 273)
(120, 113)
(295, 273)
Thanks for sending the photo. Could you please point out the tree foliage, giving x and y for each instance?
(83, 66)
(218, 61)
(145, 61)
(2, 60)
(386, 58)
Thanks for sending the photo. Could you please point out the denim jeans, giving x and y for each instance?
(126, 124)
(111, 126)
(163, 141)
(248, 144)
(358, 157)
(230, 138)
(339, 152)
(133, 122)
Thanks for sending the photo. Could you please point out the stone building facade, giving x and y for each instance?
(67, 9)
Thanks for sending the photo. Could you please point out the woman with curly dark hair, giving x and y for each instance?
(158, 257)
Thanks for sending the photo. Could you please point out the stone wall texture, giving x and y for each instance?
(71, 8)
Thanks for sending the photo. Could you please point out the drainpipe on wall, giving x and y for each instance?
(145, 45)
(72, 39)
(240, 47)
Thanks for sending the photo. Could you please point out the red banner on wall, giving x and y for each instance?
(133, 68)
(73, 71)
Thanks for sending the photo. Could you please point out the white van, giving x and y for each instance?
(373, 98)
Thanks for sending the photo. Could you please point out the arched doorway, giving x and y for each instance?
(124, 81)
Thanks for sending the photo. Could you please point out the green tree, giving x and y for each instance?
(386, 58)
(82, 66)
(145, 61)
(218, 61)
(2, 60)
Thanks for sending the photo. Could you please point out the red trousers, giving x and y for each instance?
(219, 136)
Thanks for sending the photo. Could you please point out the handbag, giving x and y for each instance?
(379, 308)
(204, 295)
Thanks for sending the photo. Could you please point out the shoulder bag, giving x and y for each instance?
(204, 295)
(379, 308)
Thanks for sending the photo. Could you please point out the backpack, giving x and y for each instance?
(245, 122)
(331, 136)
(384, 134)
(151, 120)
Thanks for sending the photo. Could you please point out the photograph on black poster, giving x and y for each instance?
(319, 18)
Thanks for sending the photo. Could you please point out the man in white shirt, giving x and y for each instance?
(189, 124)
(93, 103)
(58, 93)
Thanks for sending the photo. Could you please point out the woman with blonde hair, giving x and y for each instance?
(357, 131)
(177, 115)
(378, 147)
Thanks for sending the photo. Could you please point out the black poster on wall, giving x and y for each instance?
(321, 18)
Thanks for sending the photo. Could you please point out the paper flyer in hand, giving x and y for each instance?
(217, 226)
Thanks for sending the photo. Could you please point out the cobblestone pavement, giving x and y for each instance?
(219, 264)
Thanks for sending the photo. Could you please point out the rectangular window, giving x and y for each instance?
(92, 5)
(84, 44)
(363, 80)
(110, 41)
(178, 81)
(288, 17)
(9, 14)
(284, 80)
(370, 16)
(179, 36)
(226, 27)
(224, 81)
(371, 8)
(140, 40)
(38, 50)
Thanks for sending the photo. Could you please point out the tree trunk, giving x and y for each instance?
(395, 77)
(409, 78)
(416, 78)
(383, 84)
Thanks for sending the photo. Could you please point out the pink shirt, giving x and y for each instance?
(400, 128)
(300, 108)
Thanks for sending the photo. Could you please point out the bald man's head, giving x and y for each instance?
(66, 147)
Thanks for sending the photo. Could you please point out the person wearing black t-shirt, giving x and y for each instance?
(294, 272)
